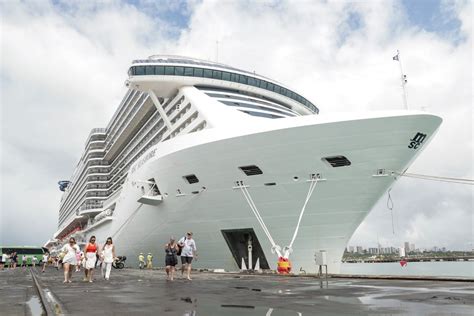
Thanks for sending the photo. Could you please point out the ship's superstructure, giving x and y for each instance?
(191, 137)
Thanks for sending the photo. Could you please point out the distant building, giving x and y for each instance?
(412, 247)
(388, 250)
(407, 247)
(351, 249)
(374, 251)
(360, 249)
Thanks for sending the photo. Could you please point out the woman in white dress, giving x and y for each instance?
(108, 252)
(69, 259)
(91, 250)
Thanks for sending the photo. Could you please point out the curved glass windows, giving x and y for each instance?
(150, 70)
(226, 76)
(216, 74)
(169, 70)
(207, 73)
(160, 70)
(220, 75)
(139, 70)
(234, 77)
(188, 71)
(198, 72)
(179, 71)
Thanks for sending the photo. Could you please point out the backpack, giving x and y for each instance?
(180, 248)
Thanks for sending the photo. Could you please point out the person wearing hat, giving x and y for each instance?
(141, 260)
(149, 259)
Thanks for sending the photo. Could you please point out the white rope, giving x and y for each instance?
(436, 178)
(275, 248)
(257, 214)
(289, 249)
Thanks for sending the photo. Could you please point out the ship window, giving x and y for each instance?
(149, 70)
(191, 178)
(263, 84)
(178, 71)
(234, 77)
(140, 70)
(188, 71)
(243, 79)
(337, 161)
(278, 89)
(207, 73)
(160, 70)
(251, 170)
(197, 72)
(226, 76)
(216, 74)
(251, 81)
(169, 70)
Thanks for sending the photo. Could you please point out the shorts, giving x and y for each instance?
(185, 260)
(171, 260)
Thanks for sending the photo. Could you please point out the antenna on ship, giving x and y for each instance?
(403, 78)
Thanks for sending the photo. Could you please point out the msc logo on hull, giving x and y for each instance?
(417, 140)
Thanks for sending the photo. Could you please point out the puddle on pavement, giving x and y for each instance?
(35, 306)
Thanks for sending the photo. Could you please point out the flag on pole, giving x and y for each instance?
(395, 57)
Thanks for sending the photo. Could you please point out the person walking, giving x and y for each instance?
(24, 261)
(45, 261)
(141, 261)
(108, 256)
(78, 259)
(171, 258)
(188, 252)
(34, 261)
(69, 259)
(3, 261)
(91, 251)
(149, 259)
(14, 260)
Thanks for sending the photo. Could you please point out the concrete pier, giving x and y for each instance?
(146, 292)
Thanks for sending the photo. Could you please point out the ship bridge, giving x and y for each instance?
(166, 74)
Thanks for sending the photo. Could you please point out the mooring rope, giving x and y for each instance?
(289, 249)
(275, 247)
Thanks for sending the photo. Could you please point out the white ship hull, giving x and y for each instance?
(283, 149)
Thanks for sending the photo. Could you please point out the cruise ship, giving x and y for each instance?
(243, 161)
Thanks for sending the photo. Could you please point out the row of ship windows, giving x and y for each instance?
(156, 139)
(136, 148)
(220, 75)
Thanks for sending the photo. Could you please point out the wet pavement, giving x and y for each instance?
(145, 292)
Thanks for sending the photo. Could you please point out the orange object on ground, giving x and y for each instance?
(283, 265)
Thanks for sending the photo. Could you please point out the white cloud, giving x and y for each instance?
(63, 69)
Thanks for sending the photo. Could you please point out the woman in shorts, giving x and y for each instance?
(171, 258)
(69, 259)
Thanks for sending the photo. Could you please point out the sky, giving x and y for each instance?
(64, 63)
